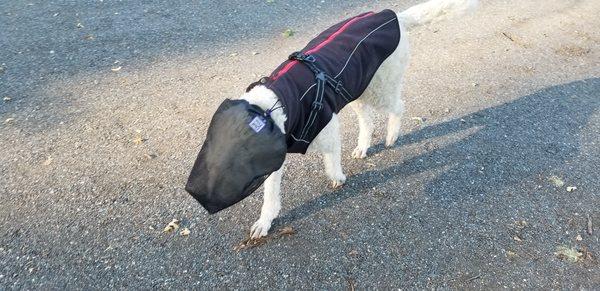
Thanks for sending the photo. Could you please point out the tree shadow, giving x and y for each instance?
(506, 144)
(46, 43)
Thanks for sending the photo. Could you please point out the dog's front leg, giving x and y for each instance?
(365, 125)
(271, 204)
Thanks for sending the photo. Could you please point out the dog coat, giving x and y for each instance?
(334, 69)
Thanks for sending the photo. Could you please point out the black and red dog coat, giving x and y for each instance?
(348, 54)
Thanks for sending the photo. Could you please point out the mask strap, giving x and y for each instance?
(273, 108)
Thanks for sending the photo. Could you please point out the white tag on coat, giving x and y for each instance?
(257, 123)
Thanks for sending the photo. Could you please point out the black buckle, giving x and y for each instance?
(321, 76)
(338, 86)
(296, 56)
(309, 58)
(300, 56)
(317, 106)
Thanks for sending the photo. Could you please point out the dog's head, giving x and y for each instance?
(242, 147)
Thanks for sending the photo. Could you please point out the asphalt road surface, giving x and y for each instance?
(105, 105)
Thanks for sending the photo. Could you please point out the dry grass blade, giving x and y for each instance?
(472, 278)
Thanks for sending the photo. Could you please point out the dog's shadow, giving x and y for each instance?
(506, 143)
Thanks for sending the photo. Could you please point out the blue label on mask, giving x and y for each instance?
(257, 124)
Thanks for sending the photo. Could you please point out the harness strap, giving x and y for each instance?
(322, 80)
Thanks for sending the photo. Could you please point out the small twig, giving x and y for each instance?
(590, 226)
(508, 36)
(473, 278)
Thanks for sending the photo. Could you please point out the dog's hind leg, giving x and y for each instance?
(328, 143)
(393, 126)
(271, 204)
(365, 124)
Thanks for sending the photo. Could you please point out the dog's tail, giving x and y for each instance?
(435, 10)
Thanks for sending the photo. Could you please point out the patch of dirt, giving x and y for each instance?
(572, 51)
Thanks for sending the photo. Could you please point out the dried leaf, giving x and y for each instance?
(511, 254)
(587, 255)
(185, 232)
(9, 120)
(287, 33)
(517, 238)
(566, 253)
(88, 37)
(558, 182)
(250, 243)
(116, 69)
(138, 140)
(173, 225)
(288, 230)
(353, 253)
(571, 188)
(418, 119)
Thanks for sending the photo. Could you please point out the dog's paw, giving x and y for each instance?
(359, 152)
(260, 228)
(339, 182)
(390, 140)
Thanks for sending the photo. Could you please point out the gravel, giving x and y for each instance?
(94, 159)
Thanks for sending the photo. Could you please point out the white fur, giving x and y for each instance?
(383, 93)
(435, 10)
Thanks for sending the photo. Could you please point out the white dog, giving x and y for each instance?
(383, 93)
